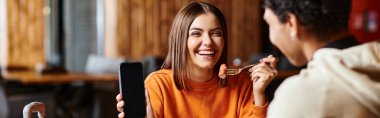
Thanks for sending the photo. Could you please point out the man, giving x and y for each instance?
(335, 83)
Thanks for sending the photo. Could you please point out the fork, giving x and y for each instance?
(235, 71)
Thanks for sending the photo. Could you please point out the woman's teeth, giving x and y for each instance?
(206, 52)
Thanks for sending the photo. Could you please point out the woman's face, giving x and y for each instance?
(205, 42)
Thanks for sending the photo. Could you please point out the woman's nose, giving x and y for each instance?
(206, 40)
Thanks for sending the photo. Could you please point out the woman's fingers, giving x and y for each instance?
(256, 67)
(121, 115)
(262, 65)
(270, 58)
(118, 97)
(268, 69)
(263, 72)
(119, 106)
(262, 75)
(149, 111)
(261, 82)
(272, 61)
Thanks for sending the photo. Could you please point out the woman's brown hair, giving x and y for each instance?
(177, 55)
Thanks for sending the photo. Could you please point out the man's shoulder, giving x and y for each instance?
(355, 53)
(329, 65)
(303, 83)
(295, 81)
(295, 96)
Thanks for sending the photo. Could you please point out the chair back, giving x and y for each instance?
(38, 107)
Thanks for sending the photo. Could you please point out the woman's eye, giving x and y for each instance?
(217, 34)
(195, 34)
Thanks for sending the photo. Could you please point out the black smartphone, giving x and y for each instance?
(131, 84)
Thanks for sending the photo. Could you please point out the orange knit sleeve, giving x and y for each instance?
(155, 95)
(260, 111)
(247, 108)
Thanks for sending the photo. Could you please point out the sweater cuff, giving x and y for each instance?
(260, 111)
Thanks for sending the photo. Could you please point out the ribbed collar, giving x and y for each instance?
(203, 85)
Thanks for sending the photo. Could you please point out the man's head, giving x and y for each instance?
(292, 22)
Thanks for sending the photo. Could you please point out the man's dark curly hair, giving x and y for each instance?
(323, 18)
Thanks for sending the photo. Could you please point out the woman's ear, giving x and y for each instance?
(293, 25)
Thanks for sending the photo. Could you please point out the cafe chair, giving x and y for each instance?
(97, 64)
(4, 111)
(151, 64)
(32, 107)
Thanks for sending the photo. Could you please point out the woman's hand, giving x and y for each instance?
(119, 105)
(261, 75)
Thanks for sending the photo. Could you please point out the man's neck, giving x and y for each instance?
(312, 44)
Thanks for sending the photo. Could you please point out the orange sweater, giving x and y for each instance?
(204, 100)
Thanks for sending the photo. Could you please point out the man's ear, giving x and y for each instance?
(293, 25)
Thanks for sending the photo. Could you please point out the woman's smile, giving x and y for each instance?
(206, 54)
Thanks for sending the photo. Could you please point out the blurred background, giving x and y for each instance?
(66, 53)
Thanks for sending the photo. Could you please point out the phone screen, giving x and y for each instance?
(131, 83)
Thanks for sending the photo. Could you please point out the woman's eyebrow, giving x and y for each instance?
(194, 28)
(218, 28)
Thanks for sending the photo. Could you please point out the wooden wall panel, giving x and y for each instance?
(3, 32)
(143, 26)
(25, 33)
(110, 28)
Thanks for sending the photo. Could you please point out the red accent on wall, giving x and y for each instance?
(365, 20)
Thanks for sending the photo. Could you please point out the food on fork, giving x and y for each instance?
(235, 71)
(222, 71)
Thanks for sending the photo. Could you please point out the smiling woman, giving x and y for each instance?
(205, 44)
(196, 31)
(188, 84)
